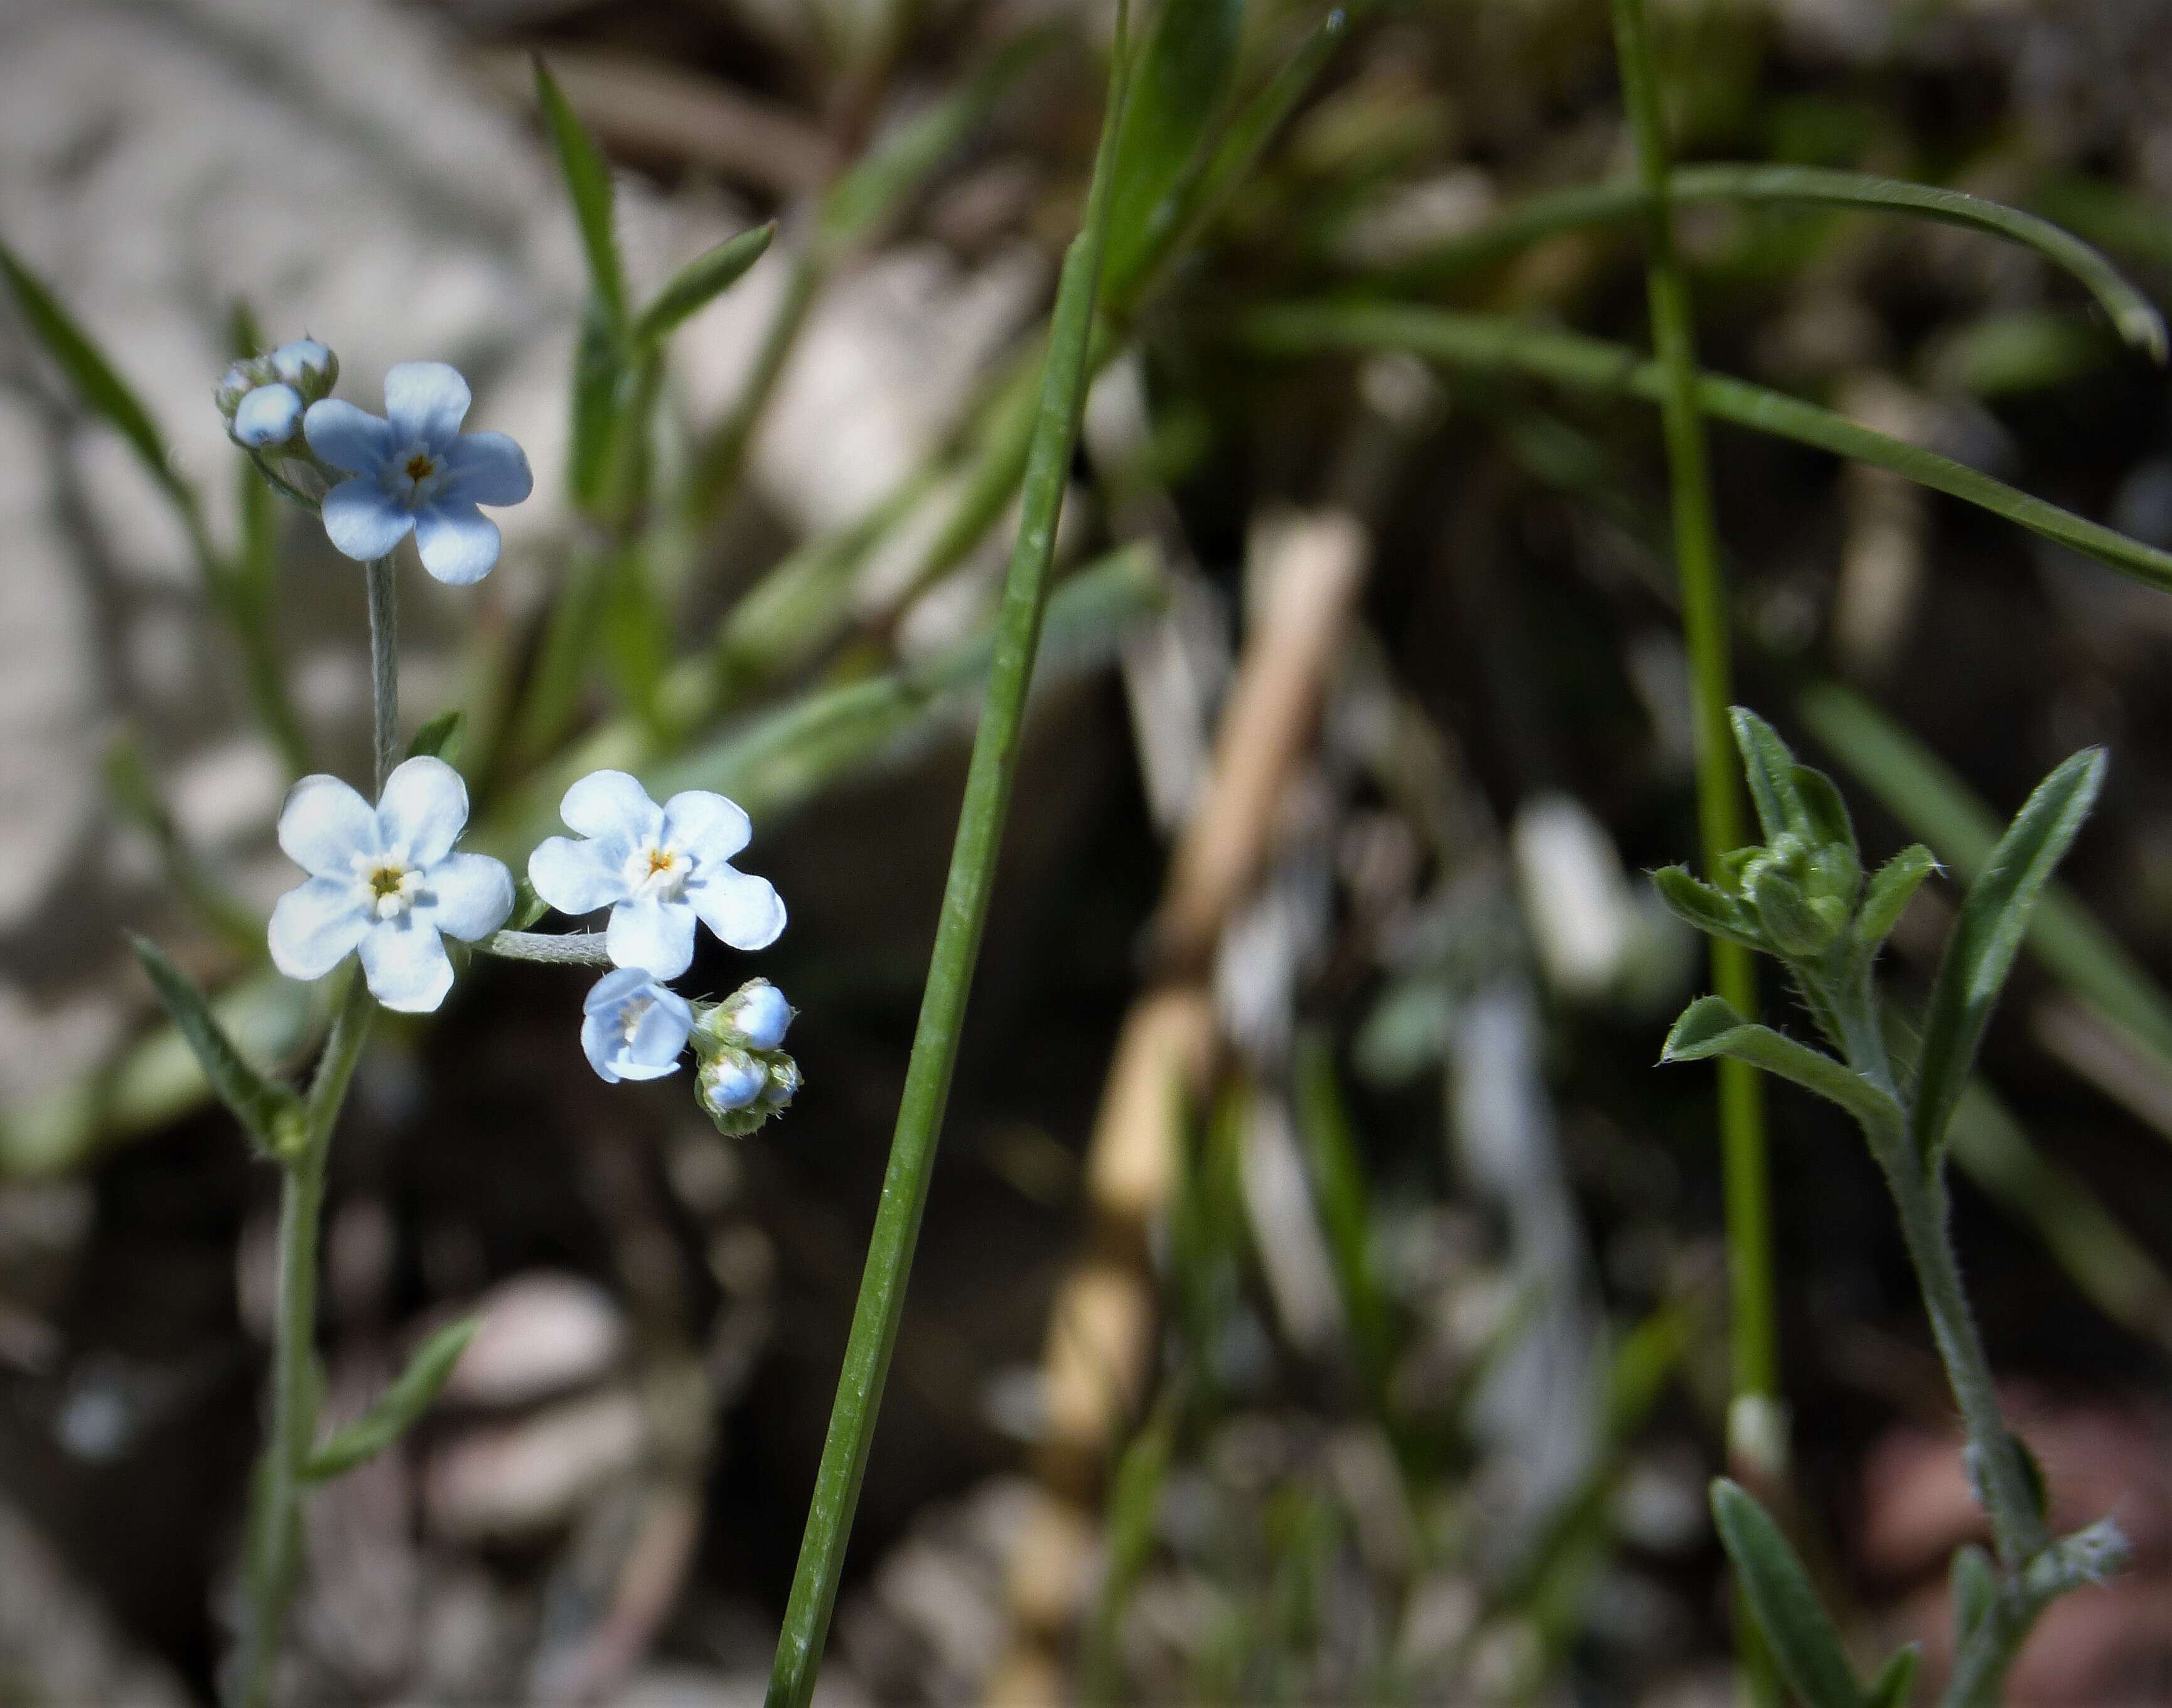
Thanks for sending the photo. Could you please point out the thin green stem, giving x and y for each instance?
(275, 1526)
(957, 942)
(1719, 804)
(383, 666)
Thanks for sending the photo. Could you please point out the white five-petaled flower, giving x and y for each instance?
(633, 1027)
(657, 869)
(384, 880)
(416, 469)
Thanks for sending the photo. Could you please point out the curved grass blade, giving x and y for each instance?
(963, 915)
(1177, 90)
(588, 188)
(1501, 345)
(2131, 313)
(699, 283)
(1987, 937)
(397, 1408)
(1803, 1638)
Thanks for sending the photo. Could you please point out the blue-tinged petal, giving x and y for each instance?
(709, 827)
(347, 438)
(657, 935)
(315, 926)
(422, 810)
(487, 468)
(426, 401)
(758, 1013)
(577, 877)
(460, 544)
(612, 990)
(744, 910)
(607, 802)
(732, 1080)
(362, 521)
(301, 359)
(602, 1041)
(267, 415)
(323, 825)
(468, 895)
(406, 963)
(659, 1037)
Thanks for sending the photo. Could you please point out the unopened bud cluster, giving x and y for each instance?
(1798, 891)
(741, 1075)
(263, 398)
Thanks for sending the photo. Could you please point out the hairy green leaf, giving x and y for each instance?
(1501, 344)
(1710, 1026)
(397, 1408)
(700, 283)
(1802, 1637)
(588, 180)
(439, 738)
(1770, 770)
(1975, 1584)
(1710, 910)
(262, 1106)
(1988, 935)
(1891, 890)
(1824, 813)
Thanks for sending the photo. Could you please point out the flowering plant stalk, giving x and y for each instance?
(1802, 896)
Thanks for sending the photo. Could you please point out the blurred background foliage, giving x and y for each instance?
(1359, 1333)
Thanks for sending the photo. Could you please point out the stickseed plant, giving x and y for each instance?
(1802, 897)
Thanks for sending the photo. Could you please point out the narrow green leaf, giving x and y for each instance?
(1710, 910)
(1974, 1583)
(397, 1408)
(1824, 813)
(1988, 935)
(1710, 1026)
(262, 1105)
(588, 180)
(1803, 1638)
(1894, 1687)
(1544, 216)
(96, 382)
(1891, 891)
(700, 283)
(1770, 769)
(1501, 343)
(440, 737)
(1339, 1188)
(1177, 90)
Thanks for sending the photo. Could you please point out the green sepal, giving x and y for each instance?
(1710, 910)
(268, 1110)
(397, 1408)
(1801, 1635)
(1710, 1026)
(1987, 937)
(439, 738)
(1891, 890)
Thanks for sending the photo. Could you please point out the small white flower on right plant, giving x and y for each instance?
(634, 1027)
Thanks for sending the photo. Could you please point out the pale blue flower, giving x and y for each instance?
(306, 365)
(757, 1014)
(415, 471)
(267, 415)
(634, 1027)
(657, 869)
(384, 880)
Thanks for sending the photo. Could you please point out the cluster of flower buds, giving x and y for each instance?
(1799, 890)
(263, 398)
(741, 1075)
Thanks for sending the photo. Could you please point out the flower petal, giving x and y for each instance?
(614, 988)
(605, 803)
(487, 468)
(577, 877)
(315, 926)
(460, 544)
(600, 1041)
(406, 963)
(657, 935)
(347, 438)
(323, 826)
(709, 827)
(362, 519)
(426, 401)
(266, 416)
(659, 1037)
(744, 910)
(422, 810)
(470, 895)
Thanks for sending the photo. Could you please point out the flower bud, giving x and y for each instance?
(1797, 922)
(307, 366)
(240, 380)
(268, 415)
(783, 1084)
(755, 1016)
(730, 1082)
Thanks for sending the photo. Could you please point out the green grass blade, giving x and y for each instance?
(1178, 86)
(1539, 217)
(588, 180)
(700, 283)
(395, 1409)
(957, 943)
(1802, 1636)
(1339, 1191)
(1988, 935)
(262, 1106)
(1501, 345)
(1914, 785)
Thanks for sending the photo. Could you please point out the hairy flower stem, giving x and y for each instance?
(578, 948)
(383, 665)
(275, 1547)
